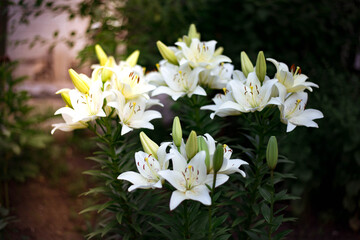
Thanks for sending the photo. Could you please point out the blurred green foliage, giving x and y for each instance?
(322, 37)
(19, 133)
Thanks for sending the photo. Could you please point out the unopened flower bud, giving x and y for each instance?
(65, 96)
(101, 55)
(148, 145)
(218, 51)
(272, 153)
(177, 132)
(218, 158)
(191, 145)
(166, 53)
(202, 145)
(246, 65)
(261, 66)
(193, 33)
(133, 58)
(80, 83)
(106, 73)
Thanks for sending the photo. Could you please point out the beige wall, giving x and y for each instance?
(46, 70)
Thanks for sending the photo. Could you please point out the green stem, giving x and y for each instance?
(210, 208)
(186, 223)
(272, 202)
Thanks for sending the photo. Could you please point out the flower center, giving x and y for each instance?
(190, 176)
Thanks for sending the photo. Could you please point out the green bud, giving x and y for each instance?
(272, 153)
(65, 96)
(166, 53)
(149, 145)
(80, 83)
(187, 40)
(246, 65)
(133, 58)
(193, 33)
(191, 145)
(177, 132)
(106, 73)
(101, 55)
(204, 147)
(261, 66)
(218, 158)
(218, 51)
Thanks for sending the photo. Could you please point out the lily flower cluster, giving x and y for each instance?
(198, 166)
(113, 90)
(252, 90)
(190, 66)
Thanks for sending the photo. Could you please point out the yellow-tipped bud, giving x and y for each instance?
(166, 53)
(261, 66)
(272, 153)
(218, 158)
(191, 145)
(218, 51)
(246, 65)
(80, 83)
(177, 132)
(193, 32)
(106, 73)
(65, 96)
(133, 58)
(204, 147)
(101, 55)
(148, 145)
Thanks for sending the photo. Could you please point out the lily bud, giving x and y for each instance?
(133, 58)
(204, 147)
(166, 53)
(246, 65)
(272, 153)
(177, 132)
(261, 66)
(65, 96)
(191, 145)
(218, 158)
(149, 145)
(80, 84)
(106, 73)
(193, 33)
(218, 51)
(187, 40)
(101, 55)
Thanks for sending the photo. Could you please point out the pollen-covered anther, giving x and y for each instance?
(225, 91)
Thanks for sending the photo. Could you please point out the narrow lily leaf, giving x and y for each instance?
(265, 210)
(105, 205)
(90, 209)
(265, 194)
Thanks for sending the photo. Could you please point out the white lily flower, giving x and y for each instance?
(88, 106)
(224, 105)
(180, 80)
(218, 77)
(229, 166)
(85, 108)
(293, 112)
(251, 96)
(201, 54)
(148, 168)
(68, 126)
(290, 81)
(130, 81)
(189, 179)
(242, 97)
(132, 113)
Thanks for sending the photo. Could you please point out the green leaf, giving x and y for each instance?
(281, 235)
(119, 217)
(265, 210)
(90, 209)
(105, 205)
(265, 194)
